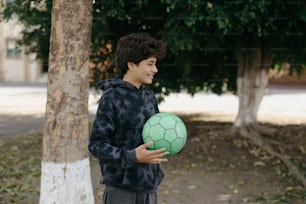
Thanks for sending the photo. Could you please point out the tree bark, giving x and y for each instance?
(65, 161)
(253, 76)
(1, 40)
(252, 81)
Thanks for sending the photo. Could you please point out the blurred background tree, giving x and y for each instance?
(240, 41)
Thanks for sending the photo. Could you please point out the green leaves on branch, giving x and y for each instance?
(203, 38)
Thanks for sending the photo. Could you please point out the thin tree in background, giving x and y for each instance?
(1, 37)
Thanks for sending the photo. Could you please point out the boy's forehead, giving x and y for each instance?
(152, 59)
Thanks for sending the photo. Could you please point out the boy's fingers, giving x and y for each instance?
(148, 144)
(160, 155)
(164, 154)
(155, 153)
(163, 160)
(160, 160)
(159, 150)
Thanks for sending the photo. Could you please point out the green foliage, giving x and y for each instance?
(35, 16)
(275, 25)
(113, 19)
(195, 45)
(218, 30)
(203, 38)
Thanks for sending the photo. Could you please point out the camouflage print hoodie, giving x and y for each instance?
(116, 132)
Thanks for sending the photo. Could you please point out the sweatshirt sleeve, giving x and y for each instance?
(103, 131)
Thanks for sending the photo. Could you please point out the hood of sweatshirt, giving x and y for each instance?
(113, 83)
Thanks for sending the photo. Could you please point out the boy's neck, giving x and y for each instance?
(129, 80)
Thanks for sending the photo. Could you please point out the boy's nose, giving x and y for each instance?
(155, 70)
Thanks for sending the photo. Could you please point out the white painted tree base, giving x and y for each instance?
(66, 183)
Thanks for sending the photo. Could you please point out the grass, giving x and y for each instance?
(20, 158)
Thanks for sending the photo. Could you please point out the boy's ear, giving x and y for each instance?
(130, 65)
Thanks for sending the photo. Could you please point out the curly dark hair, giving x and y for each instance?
(136, 47)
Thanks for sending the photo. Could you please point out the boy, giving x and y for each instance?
(130, 172)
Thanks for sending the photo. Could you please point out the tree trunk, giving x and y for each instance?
(253, 76)
(1, 41)
(65, 169)
(1, 52)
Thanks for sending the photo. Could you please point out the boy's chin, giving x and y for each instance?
(148, 82)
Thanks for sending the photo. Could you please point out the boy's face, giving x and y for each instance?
(143, 73)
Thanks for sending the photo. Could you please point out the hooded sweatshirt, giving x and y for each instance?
(117, 131)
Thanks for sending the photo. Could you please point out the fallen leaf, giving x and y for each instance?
(192, 187)
(259, 163)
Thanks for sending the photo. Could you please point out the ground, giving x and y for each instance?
(216, 168)
(213, 168)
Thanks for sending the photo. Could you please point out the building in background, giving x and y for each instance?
(15, 64)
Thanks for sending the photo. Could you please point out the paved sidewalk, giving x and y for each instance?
(22, 105)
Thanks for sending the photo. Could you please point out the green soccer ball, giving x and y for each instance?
(165, 130)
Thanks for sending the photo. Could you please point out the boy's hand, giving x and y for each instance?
(150, 156)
